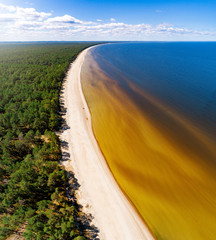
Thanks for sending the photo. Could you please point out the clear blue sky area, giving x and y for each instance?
(197, 15)
(194, 13)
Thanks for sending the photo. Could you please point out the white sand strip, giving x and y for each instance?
(99, 194)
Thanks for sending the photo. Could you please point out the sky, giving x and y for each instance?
(107, 20)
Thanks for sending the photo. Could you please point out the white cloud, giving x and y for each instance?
(28, 3)
(18, 23)
(19, 13)
(7, 8)
(63, 19)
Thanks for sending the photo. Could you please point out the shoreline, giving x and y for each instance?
(99, 194)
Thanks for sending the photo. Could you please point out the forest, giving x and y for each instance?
(33, 197)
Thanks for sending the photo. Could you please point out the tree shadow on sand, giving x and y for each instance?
(83, 220)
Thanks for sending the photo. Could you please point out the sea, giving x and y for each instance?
(153, 108)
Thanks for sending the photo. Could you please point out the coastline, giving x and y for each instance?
(99, 194)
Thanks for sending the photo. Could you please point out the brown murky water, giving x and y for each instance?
(163, 163)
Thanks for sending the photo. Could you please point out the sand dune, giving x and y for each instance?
(99, 194)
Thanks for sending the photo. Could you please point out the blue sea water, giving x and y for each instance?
(182, 75)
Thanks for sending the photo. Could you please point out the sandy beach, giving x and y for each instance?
(99, 194)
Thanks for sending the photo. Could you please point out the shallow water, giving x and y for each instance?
(153, 113)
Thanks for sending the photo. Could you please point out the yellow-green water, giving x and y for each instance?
(162, 162)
